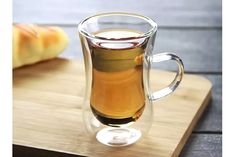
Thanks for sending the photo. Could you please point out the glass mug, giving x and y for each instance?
(117, 50)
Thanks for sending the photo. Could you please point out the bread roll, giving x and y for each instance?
(32, 43)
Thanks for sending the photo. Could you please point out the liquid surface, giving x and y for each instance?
(117, 95)
(118, 33)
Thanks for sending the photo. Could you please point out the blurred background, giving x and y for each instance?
(190, 28)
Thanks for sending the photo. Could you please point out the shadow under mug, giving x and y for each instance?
(118, 54)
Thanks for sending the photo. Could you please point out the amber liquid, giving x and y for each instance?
(117, 95)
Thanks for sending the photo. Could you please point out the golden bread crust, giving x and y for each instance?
(32, 43)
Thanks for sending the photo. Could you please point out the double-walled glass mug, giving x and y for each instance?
(117, 50)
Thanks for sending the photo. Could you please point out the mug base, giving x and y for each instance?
(118, 137)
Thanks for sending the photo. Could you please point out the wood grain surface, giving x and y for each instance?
(211, 121)
(211, 145)
(47, 114)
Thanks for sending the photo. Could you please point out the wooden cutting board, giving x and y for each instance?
(47, 112)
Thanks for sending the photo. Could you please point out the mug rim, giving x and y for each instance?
(144, 18)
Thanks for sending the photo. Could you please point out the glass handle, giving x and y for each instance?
(178, 77)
